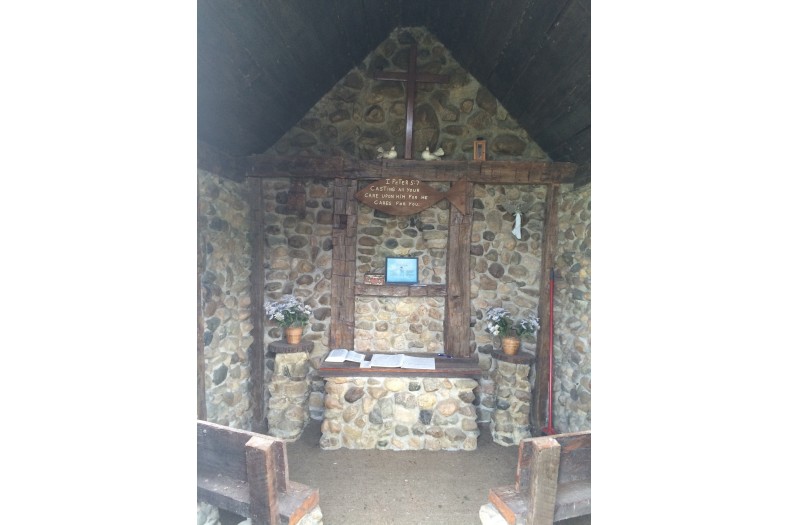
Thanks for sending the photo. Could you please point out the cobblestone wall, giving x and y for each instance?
(361, 114)
(572, 341)
(222, 231)
(399, 414)
(353, 119)
(505, 270)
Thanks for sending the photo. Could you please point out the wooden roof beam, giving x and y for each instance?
(490, 172)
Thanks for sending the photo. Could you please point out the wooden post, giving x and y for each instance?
(552, 481)
(410, 77)
(343, 273)
(538, 464)
(542, 364)
(202, 409)
(456, 326)
(257, 282)
(267, 476)
(247, 474)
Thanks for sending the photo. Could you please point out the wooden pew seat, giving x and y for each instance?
(246, 473)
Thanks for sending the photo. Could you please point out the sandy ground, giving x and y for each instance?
(382, 487)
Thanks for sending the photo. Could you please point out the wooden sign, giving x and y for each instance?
(406, 196)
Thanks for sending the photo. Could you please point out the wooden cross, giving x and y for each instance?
(410, 77)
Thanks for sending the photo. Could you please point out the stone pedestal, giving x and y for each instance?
(399, 413)
(486, 402)
(510, 420)
(288, 410)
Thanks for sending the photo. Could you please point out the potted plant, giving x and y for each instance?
(500, 323)
(291, 314)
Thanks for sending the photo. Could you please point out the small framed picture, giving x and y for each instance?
(402, 270)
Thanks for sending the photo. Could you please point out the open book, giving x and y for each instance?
(403, 361)
(338, 355)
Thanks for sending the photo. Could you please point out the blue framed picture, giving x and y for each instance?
(402, 270)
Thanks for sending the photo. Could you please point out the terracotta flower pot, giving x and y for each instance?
(510, 345)
(293, 334)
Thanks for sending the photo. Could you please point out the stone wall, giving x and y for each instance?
(361, 114)
(572, 340)
(505, 270)
(402, 324)
(356, 117)
(297, 254)
(222, 233)
(391, 413)
(511, 419)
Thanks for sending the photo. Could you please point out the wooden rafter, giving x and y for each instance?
(489, 172)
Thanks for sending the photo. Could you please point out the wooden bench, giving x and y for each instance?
(246, 473)
(552, 482)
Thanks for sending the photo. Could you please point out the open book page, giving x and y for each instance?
(387, 360)
(337, 355)
(365, 364)
(354, 356)
(421, 363)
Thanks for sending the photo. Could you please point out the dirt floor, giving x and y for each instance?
(382, 487)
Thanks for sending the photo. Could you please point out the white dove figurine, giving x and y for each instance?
(426, 155)
(390, 154)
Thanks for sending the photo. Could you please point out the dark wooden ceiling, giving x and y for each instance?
(262, 64)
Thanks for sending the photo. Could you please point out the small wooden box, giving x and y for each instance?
(375, 278)
(480, 149)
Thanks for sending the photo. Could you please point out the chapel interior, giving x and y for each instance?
(407, 170)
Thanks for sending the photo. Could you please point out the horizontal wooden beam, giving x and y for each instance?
(395, 290)
(490, 172)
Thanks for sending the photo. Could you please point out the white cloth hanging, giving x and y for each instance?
(516, 230)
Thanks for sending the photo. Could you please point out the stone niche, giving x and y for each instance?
(399, 413)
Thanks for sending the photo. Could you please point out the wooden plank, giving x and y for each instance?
(311, 56)
(579, 148)
(456, 325)
(492, 172)
(540, 492)
(221, 450)
(572, 500)
(236, 43)
(257, 283)
(247, 473)
(566, 92)
(297, 502)
(263, 479)
(575, 456)
(499, 28)
(400, 196)
(202, 409)
(509, 502)
(567, 41)
(343, 273)
(395, 290)
(226, 493)
(571, 481)
(549, 242)
(522, 47)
